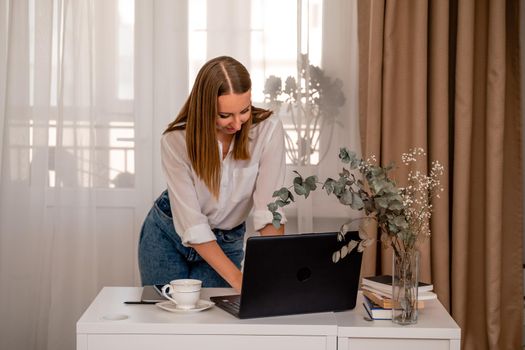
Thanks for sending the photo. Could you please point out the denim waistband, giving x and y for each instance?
(238, 227)
(163, 203)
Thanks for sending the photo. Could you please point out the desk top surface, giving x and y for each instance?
(148, 318)
(108, 314)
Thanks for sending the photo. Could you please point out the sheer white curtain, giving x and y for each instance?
(64, 109)
(86, 88)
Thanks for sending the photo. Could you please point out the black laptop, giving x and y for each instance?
(295, 274)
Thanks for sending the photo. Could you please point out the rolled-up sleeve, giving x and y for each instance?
(272, 167)
(191, 225)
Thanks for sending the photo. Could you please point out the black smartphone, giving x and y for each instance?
(158, 288)
(152, 293)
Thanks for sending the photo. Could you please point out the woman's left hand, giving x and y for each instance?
(270, 230)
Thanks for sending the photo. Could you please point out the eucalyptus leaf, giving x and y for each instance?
(329, 186)
(362, 233)
(344, 251)
(285, 195)
(351, 245)
(360, 247)
(339, 186)
(357, 202)
(281, 203)
(395, 205)
(351, 180)
(344, 155)
(279, 192)
(377, 172)
(310, 182)
(364, 243)
(299, 189)
(376, 185)
(400, 221)
(367, 242)
(392, 228)
(388, 186)
(307, 192)
(346, 198)
(272, 206)
(381, 202)
(276, 222)
(347, 227)
(298, 179)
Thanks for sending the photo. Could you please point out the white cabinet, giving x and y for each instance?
(435, 330)
(394, 344)
(108, 323)
(202, 341)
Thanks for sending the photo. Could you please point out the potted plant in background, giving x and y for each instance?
(402, 214)
(309, 104)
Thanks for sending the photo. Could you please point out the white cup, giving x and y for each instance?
(185, 293)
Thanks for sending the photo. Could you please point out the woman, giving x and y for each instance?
(221, 157)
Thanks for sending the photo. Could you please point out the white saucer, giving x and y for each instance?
(172, 307)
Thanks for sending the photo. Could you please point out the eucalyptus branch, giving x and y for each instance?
(402, 214)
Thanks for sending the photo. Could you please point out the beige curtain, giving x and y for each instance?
(444, 75)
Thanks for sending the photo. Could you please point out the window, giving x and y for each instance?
(280, 37)
(89, 125)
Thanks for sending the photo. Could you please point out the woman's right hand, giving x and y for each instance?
(237, 283)
(212, 253)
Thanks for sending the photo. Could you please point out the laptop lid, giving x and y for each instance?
(294, 274)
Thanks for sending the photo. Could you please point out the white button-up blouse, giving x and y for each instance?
(245, 184)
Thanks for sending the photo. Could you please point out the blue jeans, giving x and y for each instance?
(163, 258)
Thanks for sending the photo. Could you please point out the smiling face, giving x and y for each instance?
(233, 111)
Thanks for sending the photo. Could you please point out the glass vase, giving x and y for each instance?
(405, 277)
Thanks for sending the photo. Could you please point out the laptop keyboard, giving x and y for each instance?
(230, 304)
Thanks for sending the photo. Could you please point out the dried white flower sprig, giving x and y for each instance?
(402, 213)
(417, 197)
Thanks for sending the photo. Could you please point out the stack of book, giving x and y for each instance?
(377, 292)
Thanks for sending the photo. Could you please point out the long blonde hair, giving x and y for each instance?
(220, 76)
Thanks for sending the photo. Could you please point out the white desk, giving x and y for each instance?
(147, 327)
